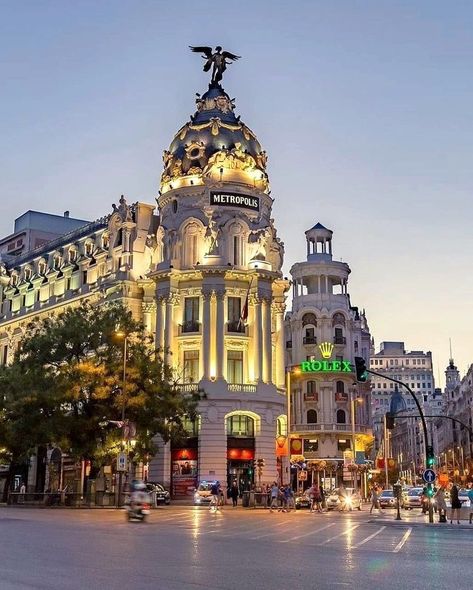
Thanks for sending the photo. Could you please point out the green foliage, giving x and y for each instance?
(65, 386)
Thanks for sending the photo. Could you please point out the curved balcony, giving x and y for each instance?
(190, 327)
(309, 340)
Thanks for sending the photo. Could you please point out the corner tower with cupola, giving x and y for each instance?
(329, 411)
(220, 298)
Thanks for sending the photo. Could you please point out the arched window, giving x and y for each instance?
(340, 387)
(309, 319)
(240, 425)
(282, 426)
(341, 417)
(191, 244)
(311, 417)
(236, 244)
(338, 319)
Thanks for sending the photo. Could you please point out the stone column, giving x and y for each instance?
(267, 345)
(148, 309)
(220, 335)
(168, 328)
(160, 303)
(280, 376)
(206, 331)
(258, 340)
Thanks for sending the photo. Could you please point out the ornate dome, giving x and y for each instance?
(214, 145)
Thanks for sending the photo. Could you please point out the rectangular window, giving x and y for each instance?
(191, 314)
(311, 445)
(343, 444)
(235, 366)
(234, 309)
(191, 366)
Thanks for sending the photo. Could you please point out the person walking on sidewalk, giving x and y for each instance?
(470, 496)
(456, 504)
(234, 492)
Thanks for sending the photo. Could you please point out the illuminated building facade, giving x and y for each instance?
(329, 411)
(204, 277)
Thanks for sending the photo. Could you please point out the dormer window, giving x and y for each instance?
(14, 279)
(42, 267)
(105, 241)
(28, 273)
(89, 248)
(57, 262)
(72, 255)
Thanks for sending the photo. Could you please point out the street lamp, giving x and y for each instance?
(353, 432)
(121, 334)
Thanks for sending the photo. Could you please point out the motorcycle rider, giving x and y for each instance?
(139, 496)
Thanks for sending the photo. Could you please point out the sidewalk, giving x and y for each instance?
(411, 518)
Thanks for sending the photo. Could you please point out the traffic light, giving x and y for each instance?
(430, 457)
(389, 421)
(360, 368)
(430, 491)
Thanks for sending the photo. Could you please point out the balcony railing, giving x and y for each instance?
(189, 387)
(339, 340)
(321, 427)
(236, 327)
(311, 396)
(189, 327)
(242, 388)
(309, 340)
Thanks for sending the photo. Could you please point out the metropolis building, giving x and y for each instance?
(203, 273)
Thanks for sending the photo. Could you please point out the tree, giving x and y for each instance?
(65, 386)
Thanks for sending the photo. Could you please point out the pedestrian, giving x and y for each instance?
(274, 496)
(282, 499)
(322, 498)
(441, 504)
(215, 493)
(470, 496)
(456, 504)
(22, 493)
(375, 499)
(342, 497)
(312, 492)
(234, 492)
(289, 497)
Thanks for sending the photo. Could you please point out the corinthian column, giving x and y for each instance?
(220, 336)
(206, 331)
(169, 327)
(258, 340)
(280, 373)
(267, 344)
(160, 323)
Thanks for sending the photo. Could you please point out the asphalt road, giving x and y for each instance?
(182, 548)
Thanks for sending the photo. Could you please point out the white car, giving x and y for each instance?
(203, 493)
(351, 500)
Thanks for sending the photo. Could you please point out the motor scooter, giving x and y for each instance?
(137, 510)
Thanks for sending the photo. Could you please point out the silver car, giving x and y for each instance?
(350, 500)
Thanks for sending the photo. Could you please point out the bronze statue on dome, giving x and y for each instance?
(217, 60)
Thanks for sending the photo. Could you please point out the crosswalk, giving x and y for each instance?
(357, 532)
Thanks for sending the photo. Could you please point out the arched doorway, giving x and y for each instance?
(241, 430)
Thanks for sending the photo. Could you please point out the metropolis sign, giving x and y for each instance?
(326, 366)
(228, 199)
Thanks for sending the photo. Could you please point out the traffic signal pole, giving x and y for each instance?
(428, 448)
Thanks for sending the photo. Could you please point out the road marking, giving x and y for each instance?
(352, 528)
(369, 538)
(308, 534)
(402, 542)
(271, 532)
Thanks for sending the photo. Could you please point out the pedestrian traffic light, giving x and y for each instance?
(389, 421)
(430, 491)
(430, 457)
(360, 368)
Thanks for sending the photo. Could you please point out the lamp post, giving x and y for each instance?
(289, 372)
(121, 334)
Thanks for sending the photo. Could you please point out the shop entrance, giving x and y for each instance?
(242, 472)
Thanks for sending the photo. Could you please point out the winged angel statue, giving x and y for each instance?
(217, 60)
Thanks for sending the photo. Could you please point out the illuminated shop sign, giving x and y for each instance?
(326, 365)
(227, 199)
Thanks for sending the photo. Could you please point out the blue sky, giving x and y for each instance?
(364, 108)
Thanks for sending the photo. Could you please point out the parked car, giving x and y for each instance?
(352, 500)
(387, 499)
(159, 493)
(413, 498)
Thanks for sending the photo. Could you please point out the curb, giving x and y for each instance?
(407, 523)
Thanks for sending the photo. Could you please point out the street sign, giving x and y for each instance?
(121, 462)
(429, 476)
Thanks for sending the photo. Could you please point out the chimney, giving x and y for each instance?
(66, 213)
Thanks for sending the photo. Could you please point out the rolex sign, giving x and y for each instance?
(227, 199)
